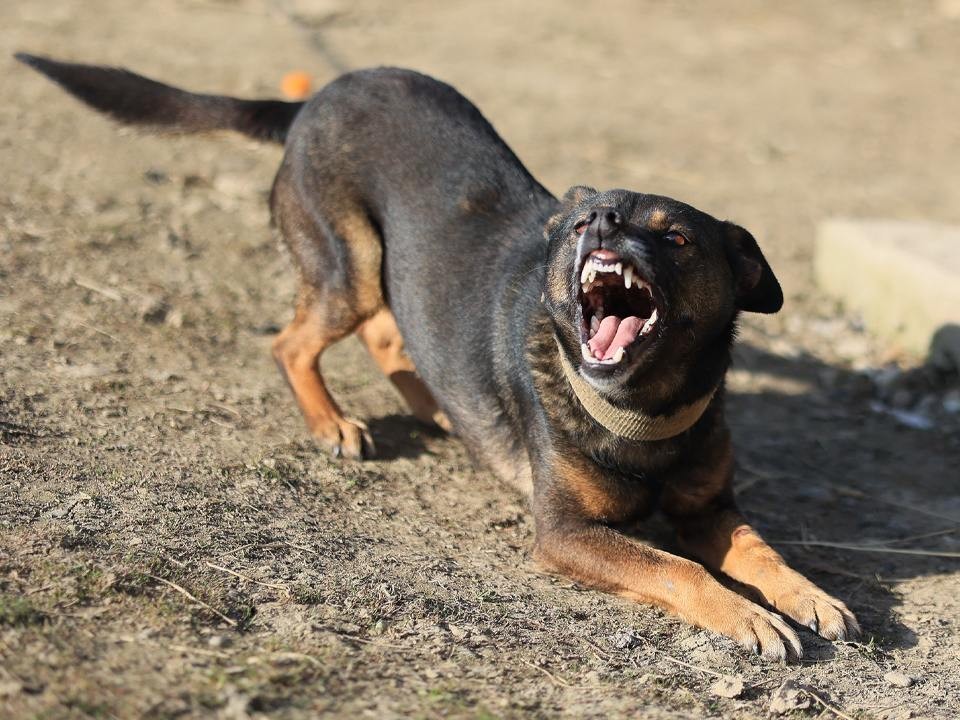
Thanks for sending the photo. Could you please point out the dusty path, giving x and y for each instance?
(148, 448)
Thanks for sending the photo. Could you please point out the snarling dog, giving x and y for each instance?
(578, 346)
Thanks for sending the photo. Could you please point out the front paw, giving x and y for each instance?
(754, 628)
(806, 604)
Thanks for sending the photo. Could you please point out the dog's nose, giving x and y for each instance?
(604, 222)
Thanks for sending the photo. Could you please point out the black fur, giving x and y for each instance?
(464, 256)
(394, 190)
(137, 100)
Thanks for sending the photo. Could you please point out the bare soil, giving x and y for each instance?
(171, 542)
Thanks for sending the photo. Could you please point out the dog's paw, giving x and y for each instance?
(348, 439)
(807, 605)
(754, 628)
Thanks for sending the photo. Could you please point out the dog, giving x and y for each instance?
(578, 346)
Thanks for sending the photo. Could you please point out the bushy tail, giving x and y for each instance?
(136, 100)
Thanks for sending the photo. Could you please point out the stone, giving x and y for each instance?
(945, 349)
(898, 679)
(902, 278)
(729, 686)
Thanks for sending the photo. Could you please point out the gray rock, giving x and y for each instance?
(951, 401)
(729, 686)
(898, 679)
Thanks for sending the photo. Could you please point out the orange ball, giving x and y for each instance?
(296, 85)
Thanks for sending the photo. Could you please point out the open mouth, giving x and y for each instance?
(619, 310)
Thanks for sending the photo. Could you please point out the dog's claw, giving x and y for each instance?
(809, 606)
(755, 629)
(349, 439)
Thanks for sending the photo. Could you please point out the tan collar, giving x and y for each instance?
(632, 424)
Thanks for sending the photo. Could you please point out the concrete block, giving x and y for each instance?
(902, 278)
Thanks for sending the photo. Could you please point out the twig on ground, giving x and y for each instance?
(97, 330)
(854, 492)
(247, 578)
(365, 641)
(598, 651)
(868, 548)
(924, 536)
(190, 596)
(227, 409)
(672, 659)
(556, 680)
(297, 656)
(834, 570)
(826, 705)
(99, 289)
(198, 651)
(301, 547)
(243, 547)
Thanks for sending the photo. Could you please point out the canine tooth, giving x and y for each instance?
(584, 272)
(593, 273)
(651, 321)
(618, 268)
(585, 351)
(628, 276)
(618, 355)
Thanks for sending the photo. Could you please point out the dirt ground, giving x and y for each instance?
(149, 449)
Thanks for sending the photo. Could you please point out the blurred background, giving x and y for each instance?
(145, 432)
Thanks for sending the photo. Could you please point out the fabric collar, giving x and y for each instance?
(632, 424)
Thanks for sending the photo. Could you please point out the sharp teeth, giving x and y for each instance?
(585, 288)
(618, 268)
(593, 273)
(585, 351)
(628, 276)
(651, 321)
(618, 355)
(585, 272)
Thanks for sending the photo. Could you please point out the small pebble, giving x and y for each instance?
(728, 687)
(624, 640)
(951, 401)
(219, 641)
(898, 679)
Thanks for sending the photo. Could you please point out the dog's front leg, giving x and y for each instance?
(723, 540)
(710, 527)
(573, 506)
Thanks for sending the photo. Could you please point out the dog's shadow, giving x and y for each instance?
(402, 436)
(845, 493)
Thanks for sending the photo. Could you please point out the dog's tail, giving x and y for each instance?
(135, 100)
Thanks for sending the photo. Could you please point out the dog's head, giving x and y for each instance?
(643, 287)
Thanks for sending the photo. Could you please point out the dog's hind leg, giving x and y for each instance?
(382, 338)
(338, 251)
(297, 350)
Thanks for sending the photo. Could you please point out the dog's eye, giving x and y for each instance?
(676, 238)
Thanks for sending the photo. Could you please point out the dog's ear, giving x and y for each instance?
(757, 287)
(571, 199)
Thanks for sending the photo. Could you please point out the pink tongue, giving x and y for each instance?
(613, 334)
